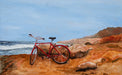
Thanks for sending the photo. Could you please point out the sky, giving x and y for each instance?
(64, 19)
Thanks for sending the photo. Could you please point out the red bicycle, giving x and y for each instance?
(59, 53)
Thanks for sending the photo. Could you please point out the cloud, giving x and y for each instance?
(72, 18)
(10, 27)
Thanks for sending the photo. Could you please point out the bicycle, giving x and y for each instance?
(59, 53)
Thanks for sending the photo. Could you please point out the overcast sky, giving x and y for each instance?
(65, 19)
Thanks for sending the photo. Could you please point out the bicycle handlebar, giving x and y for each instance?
(37, 38)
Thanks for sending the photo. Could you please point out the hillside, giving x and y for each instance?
(95, 38)
(108, 32)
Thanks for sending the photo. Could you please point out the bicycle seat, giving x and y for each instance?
(52, 38)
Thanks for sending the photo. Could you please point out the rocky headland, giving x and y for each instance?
(100, 54)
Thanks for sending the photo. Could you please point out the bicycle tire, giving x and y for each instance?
(33, 56)
(63, 51)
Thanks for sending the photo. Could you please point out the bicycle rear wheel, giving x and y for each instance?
(60, 54)
(33, 56)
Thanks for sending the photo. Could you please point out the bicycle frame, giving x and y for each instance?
(50, 48)
(59, 53)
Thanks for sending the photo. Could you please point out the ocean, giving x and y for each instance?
(15, 47)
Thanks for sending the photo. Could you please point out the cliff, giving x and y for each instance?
(108, 32)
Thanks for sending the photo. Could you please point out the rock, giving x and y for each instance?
(103, 59)
(1, 66)
(79, 47)
(114, 46)
(112, 60)
(86, 66)
(88, 43)
(79, 54)
(79, 50)
(5, 64)
(113, 38)
(81, 41)
(108, 32)
(112, 56)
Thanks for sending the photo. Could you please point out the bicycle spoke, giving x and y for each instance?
(63, 54)
(33, 56)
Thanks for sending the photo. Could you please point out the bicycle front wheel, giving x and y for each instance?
(33, 56)
(60, 54)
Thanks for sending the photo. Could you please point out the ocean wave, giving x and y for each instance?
(16, 46)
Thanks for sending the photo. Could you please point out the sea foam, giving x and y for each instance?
(16, 46)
